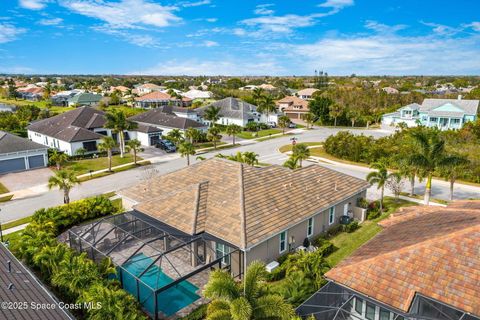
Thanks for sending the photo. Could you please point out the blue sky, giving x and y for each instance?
(212, 37)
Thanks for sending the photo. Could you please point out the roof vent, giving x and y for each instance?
(9, 266)
(11, 286)
(335, 187)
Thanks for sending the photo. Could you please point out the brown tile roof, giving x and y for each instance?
(72, 125)
(294, 104)
(154, 96)
(432, 251)
(165, 117)
(240, 204)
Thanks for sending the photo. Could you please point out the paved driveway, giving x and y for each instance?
(26, 179)
(151, 152)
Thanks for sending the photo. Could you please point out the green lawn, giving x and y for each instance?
(259, 134)
(289, 147)
(83, 166)
(208, 145)
(347, 243)
(3, 189)
(16, 223)
(40, 104)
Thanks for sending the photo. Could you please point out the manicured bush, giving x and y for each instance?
(277, 274)
(333, 231)
(324, 246)
(199, 313)
(351, 227)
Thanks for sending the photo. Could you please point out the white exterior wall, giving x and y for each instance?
(68, 147)
(143, 138)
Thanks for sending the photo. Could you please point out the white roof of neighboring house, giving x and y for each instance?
(267, 86)
(390, 90)
(306, 92)
(468, 106)
(198, 94)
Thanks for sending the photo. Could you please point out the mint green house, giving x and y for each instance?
(441, 113)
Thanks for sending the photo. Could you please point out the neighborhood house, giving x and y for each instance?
(19, 154)
(293, 107)
(440, 113)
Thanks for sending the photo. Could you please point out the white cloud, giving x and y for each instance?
(16, 70)
(211, 19)
(209, 43)
(9, 32)
(383, 28)
(475, 26)
(125, 14)
(50, 22)
(392, 54)
(197, 67)
(33, 4)
(141, 40)
(263, 9)
(195, 4)
(337, 4)
(442, 29)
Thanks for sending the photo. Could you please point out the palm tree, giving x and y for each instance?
(336, 111)
(64, 180)
(107, 145)
(175, 136)
(283, 122)
(118, 122)
(49, 257)
(257, 95)
(212, 114)
(192, 134)
(266, 105)
(309, 118)
(300, 152)
(232, 130)
(186, 149)
(430, 156)
(453, 170)
(291, 163)
(59, 158)
(135, 146)
(247, 300)
(379, 177)
(353, 115)
(214, 135)
(250, 158)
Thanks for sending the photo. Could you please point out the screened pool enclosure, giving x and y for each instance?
(335, 302)
(165, 269)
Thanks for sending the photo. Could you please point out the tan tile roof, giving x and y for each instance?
(155, 95)
(293, 102)
(240, 204)
(428, 250)
(307, 92)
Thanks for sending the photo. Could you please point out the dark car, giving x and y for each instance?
(166, 145)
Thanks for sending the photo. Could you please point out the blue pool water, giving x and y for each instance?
(168, 301)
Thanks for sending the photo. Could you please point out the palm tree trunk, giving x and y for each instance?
(233, 139)
(428, 190)
(134, 156)
(452, 182)
(335, 122)
(66, 196)
(188, 160)
(412, 185)
(122, 143)
(58, 165)
(109, 159)
(381, 199)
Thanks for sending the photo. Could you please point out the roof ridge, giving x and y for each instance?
(243, 216)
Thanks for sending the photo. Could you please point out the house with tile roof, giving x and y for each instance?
(293, 107)
(444, 114)
(236, 111)
(160, 121)
(148, 87)
(260, 213)
(81, 128)
(424, 264)
(156, 99)
(306, 94)
(84, 99)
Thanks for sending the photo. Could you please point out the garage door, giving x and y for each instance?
(36, 162)
(293, 115)
(12, 165)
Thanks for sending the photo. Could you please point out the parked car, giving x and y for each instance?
(271, 124)
(166, 145)
(292, 125)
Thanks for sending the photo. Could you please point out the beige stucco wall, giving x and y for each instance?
(269, 250)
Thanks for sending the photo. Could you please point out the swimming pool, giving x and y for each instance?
(169, 301)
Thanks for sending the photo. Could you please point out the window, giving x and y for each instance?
(283, 241)
(310, 227)
(434, 119)
(456, 121)
(384, 314)
(331, 215)
(222, 250)
(370, 311)
(358, 305)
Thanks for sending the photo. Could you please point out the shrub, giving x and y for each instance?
(351, 227)
(199, 313)
(277, 274)
(333, 231)
(324, 246)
